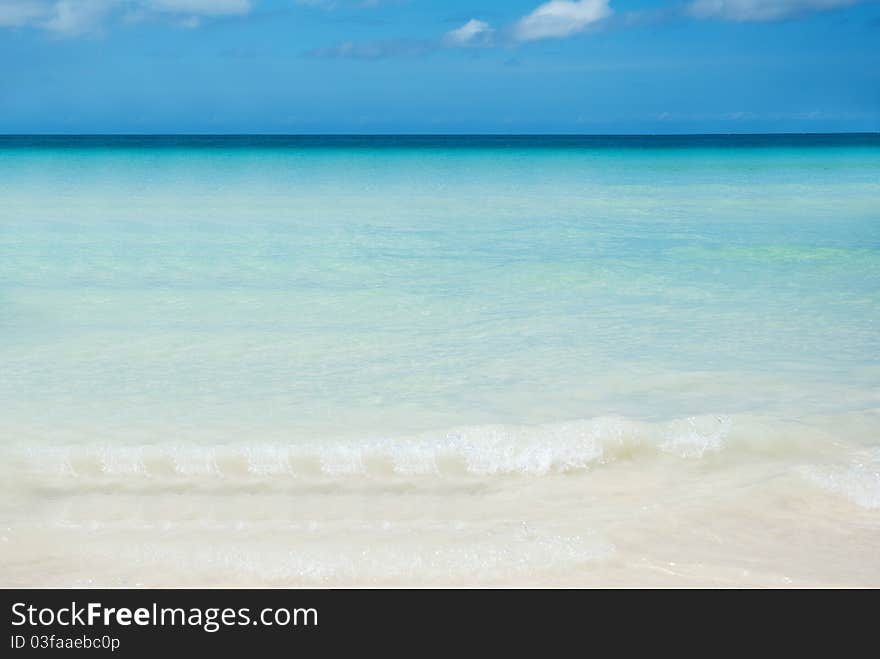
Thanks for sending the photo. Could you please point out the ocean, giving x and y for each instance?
(453, 361)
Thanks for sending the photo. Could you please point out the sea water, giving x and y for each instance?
(440, 360)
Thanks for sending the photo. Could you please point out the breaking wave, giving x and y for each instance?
(486, 450)
(858, 479)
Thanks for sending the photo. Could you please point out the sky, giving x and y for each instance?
(450, 66)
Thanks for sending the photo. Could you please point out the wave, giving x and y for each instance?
(858, 479)
(485, 450)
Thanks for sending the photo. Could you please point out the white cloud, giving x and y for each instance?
(73, 17)
(190, 22)
(336, 4)
(200, 7)
(15, 13)
(760, 10)
(78, 17)
(68, 17)
(561, 18)
(471, 33)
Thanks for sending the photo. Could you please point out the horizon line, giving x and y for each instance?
(419, 134)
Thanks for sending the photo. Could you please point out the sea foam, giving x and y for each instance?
(483, 450)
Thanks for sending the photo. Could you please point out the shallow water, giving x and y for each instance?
(456, 361)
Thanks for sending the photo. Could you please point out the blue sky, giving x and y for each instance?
(386, 66)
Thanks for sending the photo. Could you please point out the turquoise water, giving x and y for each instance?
(187, 295)
(358, 290)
